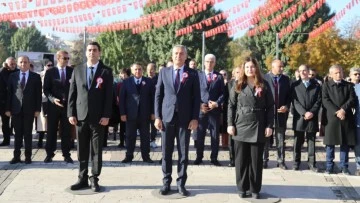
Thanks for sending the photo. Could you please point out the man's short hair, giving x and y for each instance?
(24, 56)
(61, 52)
(354, 69)
(336, 66)
(211, 56)
(180, 46)
(304, 65)
(95, 44)
(136, 64)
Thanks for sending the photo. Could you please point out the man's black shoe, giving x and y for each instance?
(48, 159)
(4, 143)
(164, 190)
(127, 160)
(28, 161)
(242, 194)
(296, 167)
(95, 184)
(329, 170)
(15, 160)
(265, 164)
(282, 166)
(231, 164)
(197, 161)
(345, 171)
(68, 160)
(313, 168)
(40, 144)
(81, 184)
(215, 162)
(182, 191)
(148, 160)
(255, 195)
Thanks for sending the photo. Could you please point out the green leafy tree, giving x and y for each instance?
(159, 41)
(3, 53)
(7, 30)
(265, 42)
(78, 52)
(121, 49)
(238, 51)
(28, 39)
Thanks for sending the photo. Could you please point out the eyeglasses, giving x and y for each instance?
(65, 58)
(49, 65)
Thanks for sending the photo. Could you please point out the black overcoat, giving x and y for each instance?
(334, 97)
(306, 100)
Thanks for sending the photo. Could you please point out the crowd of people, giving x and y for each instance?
(248, 111)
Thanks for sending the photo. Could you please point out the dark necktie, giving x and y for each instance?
(177, 80)
(208, 80)
(91, 76)
(23, 81)
(62, 77)
(138, 85)
(276, 91)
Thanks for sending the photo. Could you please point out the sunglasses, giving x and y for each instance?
(65, 58)
(49, 65)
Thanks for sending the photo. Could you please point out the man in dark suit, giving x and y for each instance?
(177, 106)
(10, 67)
(280, 88)
(89, 108)
(306, 99)
(23, 104)
(212, 97)
(151, 73)
(339, 99)
(56, 89)
(137, 109)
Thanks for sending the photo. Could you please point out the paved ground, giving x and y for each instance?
(40, 182)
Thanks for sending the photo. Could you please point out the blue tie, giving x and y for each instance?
(306, 83)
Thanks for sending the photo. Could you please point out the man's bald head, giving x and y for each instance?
(11, 63)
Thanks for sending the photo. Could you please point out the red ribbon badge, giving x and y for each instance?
(99, 81)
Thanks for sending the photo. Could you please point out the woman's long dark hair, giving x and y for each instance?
(242, 81)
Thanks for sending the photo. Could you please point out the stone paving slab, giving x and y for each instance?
(135, 182)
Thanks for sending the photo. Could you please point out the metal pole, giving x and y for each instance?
(277, 45)
(84, 59)
(203, 51)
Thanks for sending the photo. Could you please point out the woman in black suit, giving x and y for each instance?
(250, 118)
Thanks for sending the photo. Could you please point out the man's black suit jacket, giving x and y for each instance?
(94, 102)
(284, 97)
(27, 100)
(137, 104)
(215, 91)
(53, 88)
(4, 78)
(306, 99)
